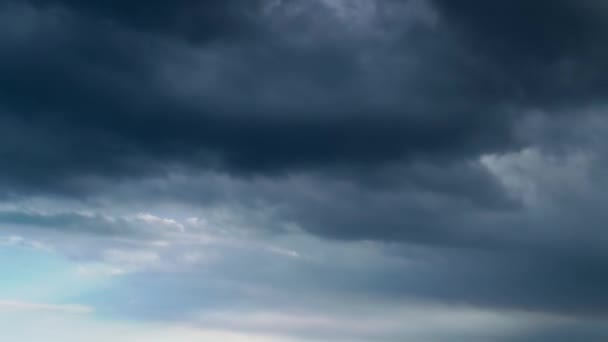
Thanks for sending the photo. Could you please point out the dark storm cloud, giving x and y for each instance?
(182, 17)
(112, 89)
(95, 91)
(349, 126)
(551, 54)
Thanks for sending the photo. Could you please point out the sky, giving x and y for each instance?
(303, 170)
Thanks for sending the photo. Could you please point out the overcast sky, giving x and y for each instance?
(303, 170)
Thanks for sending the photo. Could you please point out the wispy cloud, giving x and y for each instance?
(15, 305)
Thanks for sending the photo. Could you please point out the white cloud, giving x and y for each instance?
(406, 321)
(19, 241)
(162, 221)
(59, 327)
(13, 305)
(538, 178)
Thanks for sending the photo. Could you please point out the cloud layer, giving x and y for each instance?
(261, 159)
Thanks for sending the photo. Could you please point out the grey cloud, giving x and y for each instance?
(550, 55)
(294, 99)
(464, 138)
(113, 97)
(193, 20)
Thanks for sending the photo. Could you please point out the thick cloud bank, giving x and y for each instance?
(260, 159)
